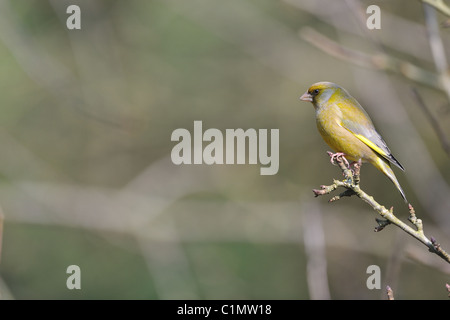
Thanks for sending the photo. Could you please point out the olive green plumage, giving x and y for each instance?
(347, 128)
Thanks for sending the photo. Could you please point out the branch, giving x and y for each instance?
(351, 185)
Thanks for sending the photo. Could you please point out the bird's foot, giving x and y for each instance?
(334, 156)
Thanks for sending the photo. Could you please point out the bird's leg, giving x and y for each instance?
(334, 156)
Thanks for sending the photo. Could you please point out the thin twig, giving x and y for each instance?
(351, 184)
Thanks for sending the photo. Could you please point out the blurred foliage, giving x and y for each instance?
(86, 114)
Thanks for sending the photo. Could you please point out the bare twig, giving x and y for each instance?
(351, 184)
(445, 143)
(390, 293)
(439, 5)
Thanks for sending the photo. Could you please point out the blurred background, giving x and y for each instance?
(86, 176)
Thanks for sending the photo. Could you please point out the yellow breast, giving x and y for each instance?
(328, 120)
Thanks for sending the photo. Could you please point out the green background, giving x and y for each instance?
(86, 178)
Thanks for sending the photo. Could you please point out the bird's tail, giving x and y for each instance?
(385, 167)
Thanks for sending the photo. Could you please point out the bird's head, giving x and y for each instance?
(320, 93)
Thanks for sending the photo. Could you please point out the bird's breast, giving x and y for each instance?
(329, 124)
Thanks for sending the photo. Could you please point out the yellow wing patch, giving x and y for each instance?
(371, 144)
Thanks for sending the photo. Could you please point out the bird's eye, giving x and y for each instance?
(316, 92)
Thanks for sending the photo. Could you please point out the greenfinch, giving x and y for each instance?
(348, 130)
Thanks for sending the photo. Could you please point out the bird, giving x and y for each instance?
(347, 128)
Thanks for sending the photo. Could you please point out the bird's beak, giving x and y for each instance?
(306, 97)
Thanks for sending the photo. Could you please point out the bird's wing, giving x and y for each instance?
(365, 131)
